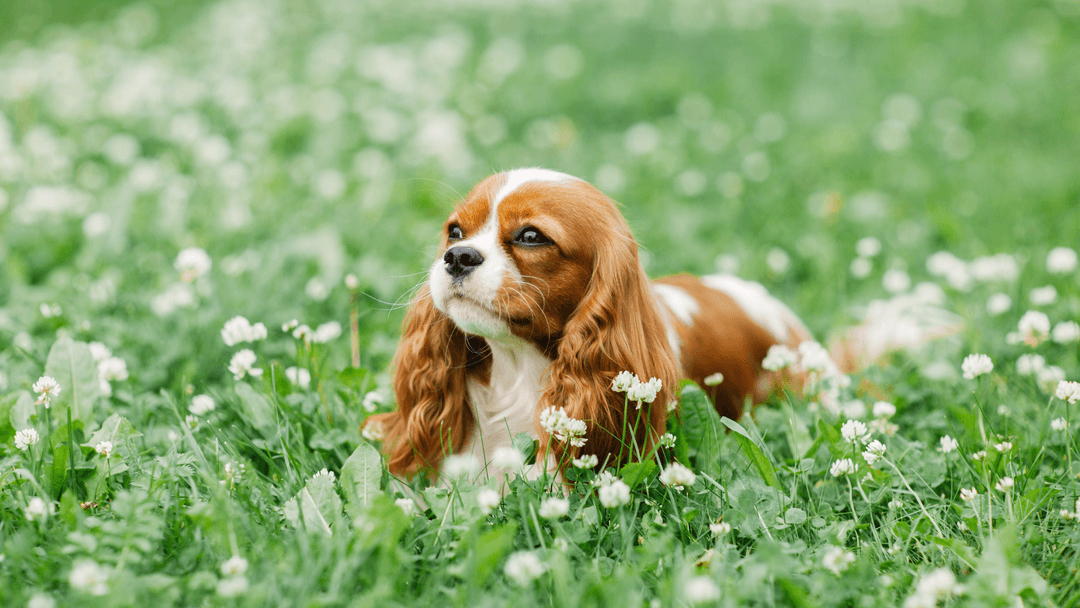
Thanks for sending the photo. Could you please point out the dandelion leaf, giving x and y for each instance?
(317, 504)
(258, 411)
(361, 478)
(700, 425)
(73, 367)
(636, 472)
(753, 451)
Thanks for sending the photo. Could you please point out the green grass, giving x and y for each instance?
(300, 142)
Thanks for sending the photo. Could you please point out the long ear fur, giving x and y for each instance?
(433, 418)
(616, 327)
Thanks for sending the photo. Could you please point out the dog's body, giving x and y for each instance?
(538, 301)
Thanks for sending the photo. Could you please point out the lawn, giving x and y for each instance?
(167, 167)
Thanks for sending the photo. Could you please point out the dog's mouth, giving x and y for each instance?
(464, 298)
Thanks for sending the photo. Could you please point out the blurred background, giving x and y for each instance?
(300, 141)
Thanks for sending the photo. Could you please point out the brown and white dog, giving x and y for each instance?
(537, 299)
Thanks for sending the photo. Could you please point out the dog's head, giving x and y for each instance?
(540, 257)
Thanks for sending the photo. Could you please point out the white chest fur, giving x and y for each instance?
(506, 405)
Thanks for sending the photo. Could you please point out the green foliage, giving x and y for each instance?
(297, 142)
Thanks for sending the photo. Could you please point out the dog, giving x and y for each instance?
(538, 301)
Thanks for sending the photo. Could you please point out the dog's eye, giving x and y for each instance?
(455, 233)
(531, 236)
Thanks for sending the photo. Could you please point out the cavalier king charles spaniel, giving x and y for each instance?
(536, 300)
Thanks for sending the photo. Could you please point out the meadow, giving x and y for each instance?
(168, 167)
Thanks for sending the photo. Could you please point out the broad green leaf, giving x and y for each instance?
(636, 472)
(700, 424)
(753, 451)
(22, 410)
(360, 478)
(317, 503)
(489, 549)
(527, 446)
(795, 516)
(257, 409)
(119, 431)
(58, 474)
(72, 365)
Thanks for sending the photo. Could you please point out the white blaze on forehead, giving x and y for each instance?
(678, 301)
(518, 177)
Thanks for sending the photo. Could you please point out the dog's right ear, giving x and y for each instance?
(433, 417)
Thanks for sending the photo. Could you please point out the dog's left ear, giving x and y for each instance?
(616, 327)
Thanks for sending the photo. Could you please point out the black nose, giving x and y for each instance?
(460, 261)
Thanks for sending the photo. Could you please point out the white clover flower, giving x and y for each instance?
(1050, 378)
(623, 381)
(112, 368)
(488, 500)
(779, 357)
(327, 473)
(843, 466)
(1066, 332)
(976, 365)
(327, 332)
(192, 263)
(720, 528)
(884, 409)
(238, 330)
(26, 438)
(667, 440)
(867, 247)
(233, 473)
(562, 427)
(896, 281)
(299, 377)
(1030, 364)
(968, 494)
(701, 590)
(980, 455)
(303, 332)
(1033, 327)
(291, 325)
(234, 566)
(1059, 424)
(677, 476)
(672, 406)
(461, 465)
(201, 404)
(605, 478)
(714, 379)
(861, 268)
(1068, 391)
(948, 444)
(998, 304)
(883, 426)
(508, 458)
(38, 510)
(874, 452)
(46, 387)
(1005, 484)
(854, 430)
(407, 505)
(232, 586)
(87, 576)
(837, 559)
(242, 364)
(1043, 296)
(372, 400)
(644, 392)
(554, 508)
(351, 282)
(524, 567)
(813, 357)
(40, 600)
(1003, 447)
(105, 448)
(1061, 260)
(614, 494)
(587, 461)
(935, 586)
(373, 431)
(99, 351)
